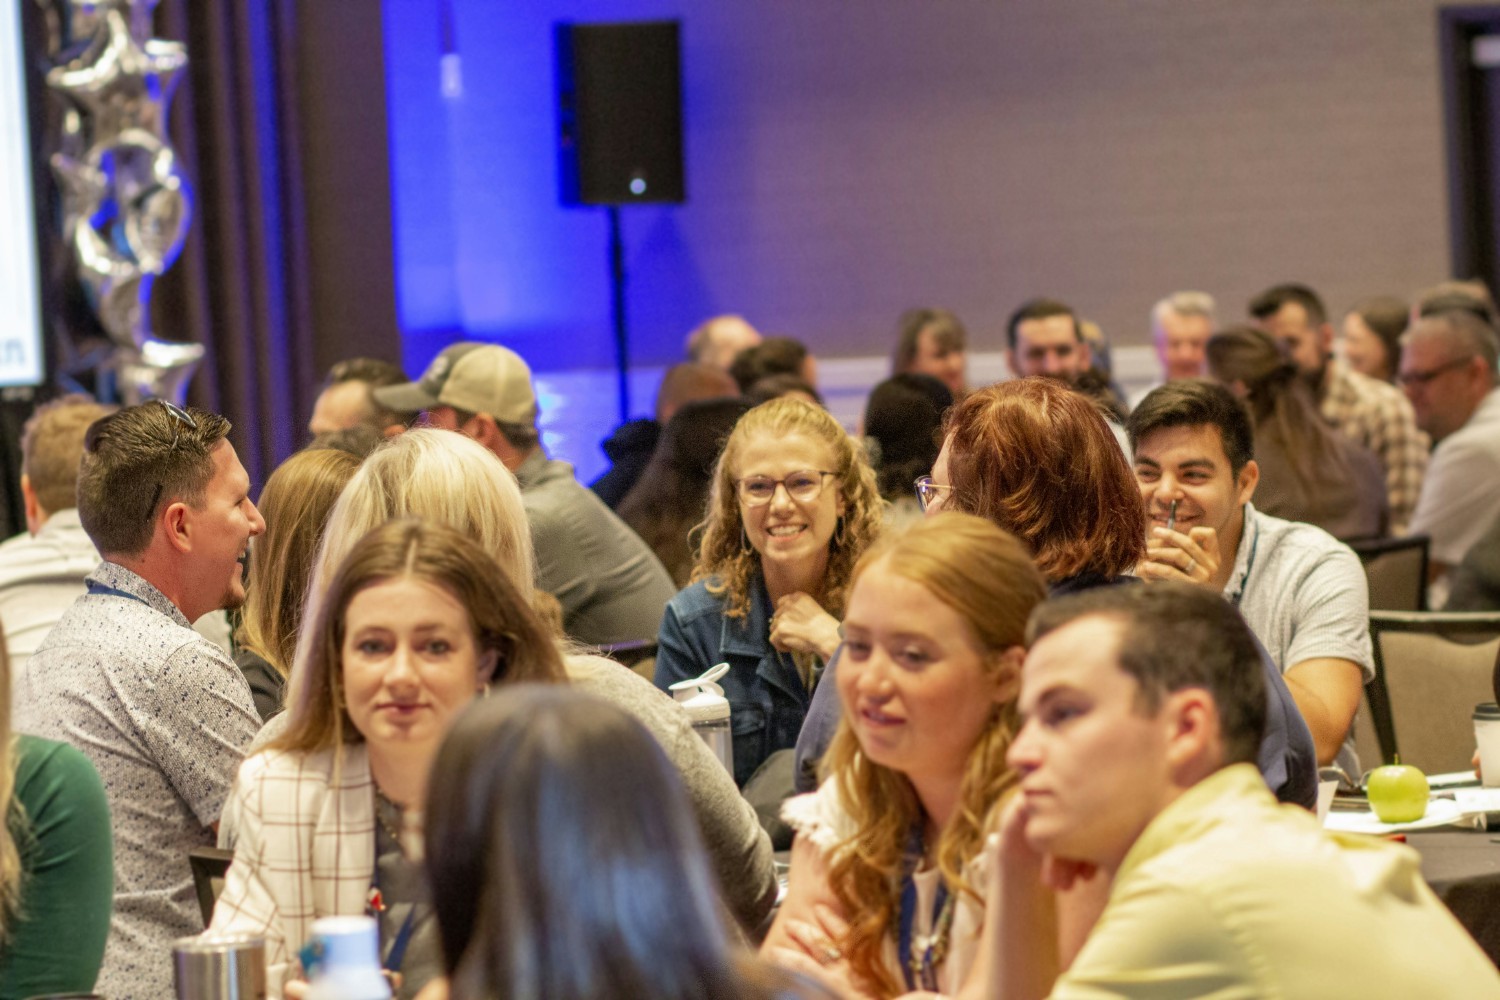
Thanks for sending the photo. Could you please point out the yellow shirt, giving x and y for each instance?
(1229, 894)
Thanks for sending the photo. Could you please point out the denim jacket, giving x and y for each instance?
(767, 699)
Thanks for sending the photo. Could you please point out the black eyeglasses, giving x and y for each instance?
(928, 491)
(1422, 378)
(180, 418)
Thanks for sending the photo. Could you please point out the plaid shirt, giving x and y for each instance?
(305, 850)
(1379, 416)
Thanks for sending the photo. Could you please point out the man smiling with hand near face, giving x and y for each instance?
(1302, 592)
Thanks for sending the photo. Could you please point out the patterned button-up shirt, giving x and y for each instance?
(165, 717)
(1379, 416)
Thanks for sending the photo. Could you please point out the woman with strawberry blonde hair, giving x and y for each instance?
(885, 880)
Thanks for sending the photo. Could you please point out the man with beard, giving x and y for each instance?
(1043, 337)
(1371, 413)
(163, 714)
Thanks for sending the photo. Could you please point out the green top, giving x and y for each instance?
(62, 830)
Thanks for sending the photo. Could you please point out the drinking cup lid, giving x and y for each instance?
(1488, 711)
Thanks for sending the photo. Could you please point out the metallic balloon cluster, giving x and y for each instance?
(126, 201)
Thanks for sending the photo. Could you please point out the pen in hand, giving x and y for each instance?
(1172, 516)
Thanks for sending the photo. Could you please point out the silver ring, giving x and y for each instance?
(1192, 565)
(831, 954)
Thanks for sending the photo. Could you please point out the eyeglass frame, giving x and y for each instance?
(781, 484)
(180, 417)
(922, 485)
(1423, 379)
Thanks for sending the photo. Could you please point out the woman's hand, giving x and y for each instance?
(816, 954)
(800, 625)
(1171, 555)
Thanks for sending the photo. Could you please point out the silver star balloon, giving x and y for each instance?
(121, 82)
(126, 200)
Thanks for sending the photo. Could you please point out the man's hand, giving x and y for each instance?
(1193, 557)
(800, 625)
(1020, 919)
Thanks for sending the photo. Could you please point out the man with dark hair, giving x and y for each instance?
(347, 399)
(1303, 592)
(774, 356)
(1143, 709)
(1448, 371)
(1369, 412)
(163, 714)
(1044, 337)
(630, 445)
(611, 586)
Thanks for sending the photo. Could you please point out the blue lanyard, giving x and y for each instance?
(396, 955)
(108, 591)
(921, 974)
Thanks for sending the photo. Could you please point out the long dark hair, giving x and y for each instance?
(565, 861)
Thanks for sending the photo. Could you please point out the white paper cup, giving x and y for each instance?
(1325, 798)
(1487, 735)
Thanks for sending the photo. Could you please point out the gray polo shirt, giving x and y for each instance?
(1304, 595)
(164, 716)
(611, 585)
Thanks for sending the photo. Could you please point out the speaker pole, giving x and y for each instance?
(617, 301)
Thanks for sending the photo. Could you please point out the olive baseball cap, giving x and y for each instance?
(479, 378)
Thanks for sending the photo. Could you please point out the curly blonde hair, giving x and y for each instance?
(986, 575)
(729, 563)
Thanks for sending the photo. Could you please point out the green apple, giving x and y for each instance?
(1398, 793)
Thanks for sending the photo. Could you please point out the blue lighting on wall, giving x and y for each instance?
(484, 251)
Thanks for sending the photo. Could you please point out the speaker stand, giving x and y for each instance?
(617, 304)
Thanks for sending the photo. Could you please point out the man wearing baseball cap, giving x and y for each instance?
(611, 586)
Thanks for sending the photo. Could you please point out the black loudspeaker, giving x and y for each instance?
(619, 103)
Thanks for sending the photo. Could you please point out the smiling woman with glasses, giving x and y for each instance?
(794, 503)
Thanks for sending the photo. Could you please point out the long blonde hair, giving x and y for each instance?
(730, 562)
(439, 476)
(295, 504)
(10, 855)
(987, 576)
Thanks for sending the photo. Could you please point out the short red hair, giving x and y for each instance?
(1036, 457)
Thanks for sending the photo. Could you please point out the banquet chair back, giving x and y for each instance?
(1431, 669)
(1396, 569)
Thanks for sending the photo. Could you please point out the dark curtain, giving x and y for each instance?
(243, 285)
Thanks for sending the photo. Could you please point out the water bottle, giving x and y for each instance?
(345, 964)
(219, 967)
(708, 708)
